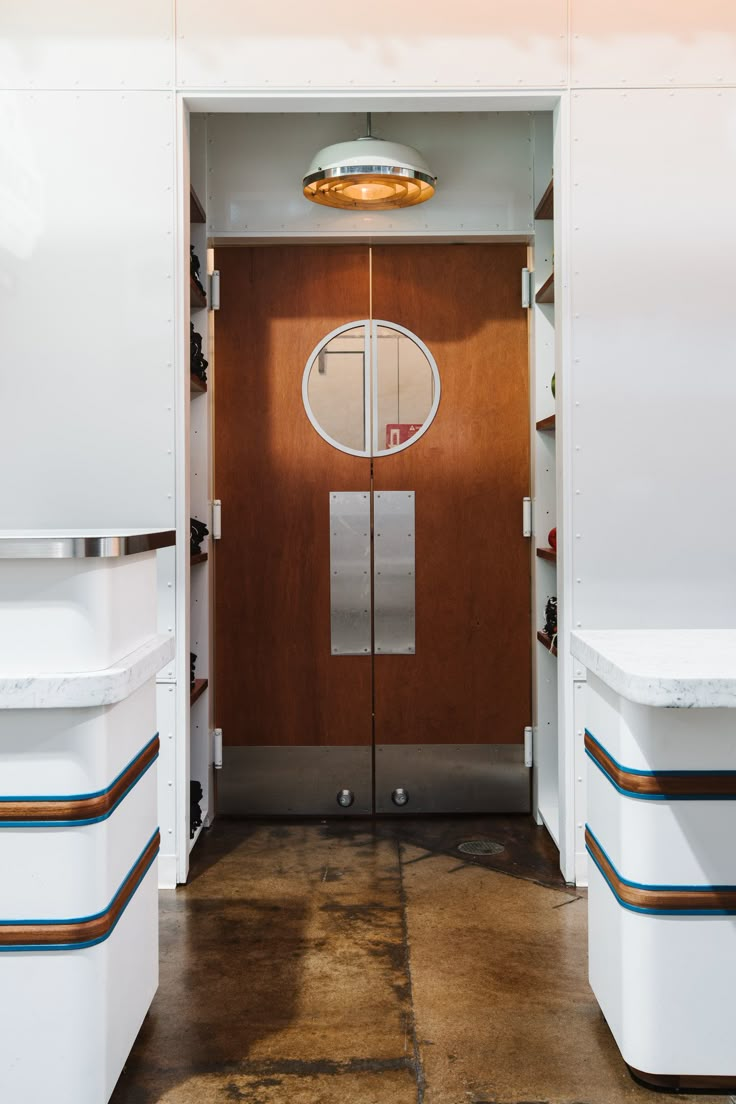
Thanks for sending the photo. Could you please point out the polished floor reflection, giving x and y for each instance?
(372, 962)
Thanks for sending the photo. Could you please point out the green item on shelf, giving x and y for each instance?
(552, 385)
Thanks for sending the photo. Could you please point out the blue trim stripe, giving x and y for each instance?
(85, 919)
(5, 824)
(657, 888)
(662, 775)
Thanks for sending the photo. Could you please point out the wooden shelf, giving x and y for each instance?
(543, 638)
(546, 293)
(196, 298)
(199, 557)
(546, 206)
(200, 685)
(547, 554)
(196, 210)
(196, 386)
(547, 424)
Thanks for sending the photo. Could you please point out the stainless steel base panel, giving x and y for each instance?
(452, 778)
(296, 781)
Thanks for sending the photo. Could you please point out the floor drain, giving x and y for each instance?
(480, 847)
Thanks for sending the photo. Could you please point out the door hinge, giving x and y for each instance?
(528, 746)
(217, 519)
(214, 296)
(526, 288)
(217, 748)
(526, 517)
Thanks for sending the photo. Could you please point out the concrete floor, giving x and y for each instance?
(371, 962)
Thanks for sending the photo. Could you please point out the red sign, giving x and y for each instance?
(399, 432)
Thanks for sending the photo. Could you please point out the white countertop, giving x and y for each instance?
(680, 668)
(86, 689)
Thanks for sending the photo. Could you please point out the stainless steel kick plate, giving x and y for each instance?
(452, 778)
(295, 781)
(350, 572)
(394, 573)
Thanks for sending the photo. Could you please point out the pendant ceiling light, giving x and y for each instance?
(369, 175)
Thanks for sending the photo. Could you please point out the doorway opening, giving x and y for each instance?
(244, 219)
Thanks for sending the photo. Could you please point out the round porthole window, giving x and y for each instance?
(371, 388)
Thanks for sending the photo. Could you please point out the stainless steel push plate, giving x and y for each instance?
(350, 572)
(394, 573)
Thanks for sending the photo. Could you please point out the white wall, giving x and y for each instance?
(87, 303)
(483, 161)
(653, 357)
(466, 44)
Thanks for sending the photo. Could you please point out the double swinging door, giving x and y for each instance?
(372, 583)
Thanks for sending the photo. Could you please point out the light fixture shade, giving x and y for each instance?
(369, 174)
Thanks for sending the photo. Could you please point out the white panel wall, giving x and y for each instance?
(483, 162)
(87, 305)
(654, 358)
(490, 43)
(83, 44)
(653, 42)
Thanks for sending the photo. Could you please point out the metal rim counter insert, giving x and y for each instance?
(61, 547)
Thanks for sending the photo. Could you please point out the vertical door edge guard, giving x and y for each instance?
(394, 573)
(350, 579)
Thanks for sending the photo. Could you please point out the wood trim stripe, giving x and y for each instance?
(662, 785)
(84, 809)
(46, 935)
(688, 1083)
(682, 900)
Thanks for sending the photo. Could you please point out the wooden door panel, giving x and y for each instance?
(277, 682)
(470, 679)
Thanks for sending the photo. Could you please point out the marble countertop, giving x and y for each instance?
(86, 689)
(679, 668)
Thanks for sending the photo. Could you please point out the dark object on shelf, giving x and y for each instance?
(194, 266)
(550, 618)
(552, 538)
(196, 793)
(192, 664)
(197, 362)
(197, 532)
